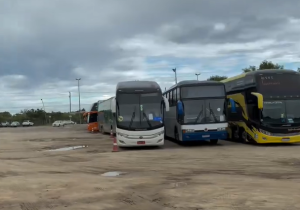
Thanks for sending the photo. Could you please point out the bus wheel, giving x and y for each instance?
(214, 141)
(235, 135)
(243, 136)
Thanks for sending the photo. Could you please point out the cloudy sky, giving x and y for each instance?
(46, 44)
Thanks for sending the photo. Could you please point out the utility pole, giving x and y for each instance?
(70, 101)
(44, 110)
(175, 75)
(78, 79)
(197, 74)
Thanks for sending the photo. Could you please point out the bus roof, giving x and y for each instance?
(195, 82)
(101, 101)
(254, 73)
(127, 85)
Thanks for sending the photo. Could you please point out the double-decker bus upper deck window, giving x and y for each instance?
(202, 91)
(279, 84)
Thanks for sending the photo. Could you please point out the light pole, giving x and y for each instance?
(175, 75)
(78, 79)
(44, 110)
(197, 74)
(70, 100)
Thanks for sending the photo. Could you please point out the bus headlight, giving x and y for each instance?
(160, 133)
(188, 131)
(221, 129)
(265, 132)
(121, 134)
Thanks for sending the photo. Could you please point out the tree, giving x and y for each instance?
(269, 65)
(216, 78)
(249, 69)
(263, 65)
(37, 116)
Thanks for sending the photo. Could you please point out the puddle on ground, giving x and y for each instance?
(68, 148)
(113, 173)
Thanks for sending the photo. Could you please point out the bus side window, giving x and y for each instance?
(174, 98)
(177, 94)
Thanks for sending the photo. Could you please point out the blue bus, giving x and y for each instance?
(197, 111)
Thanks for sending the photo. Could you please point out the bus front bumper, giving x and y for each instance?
(265, 139)
(126, 142)
(204, 136)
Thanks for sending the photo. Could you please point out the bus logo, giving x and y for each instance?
(140, 137)
(205, 129)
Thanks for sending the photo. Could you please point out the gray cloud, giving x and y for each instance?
(47, 40)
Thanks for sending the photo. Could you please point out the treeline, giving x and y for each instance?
(263, 65)
(40, 117)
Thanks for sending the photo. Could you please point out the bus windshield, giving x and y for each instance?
(93, 117)
(202, 91)
(139, 111)
(204, 111)
(281, 112)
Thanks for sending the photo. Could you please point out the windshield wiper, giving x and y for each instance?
(212, 113)
(132, 117)
(200, 113)
(148, 121)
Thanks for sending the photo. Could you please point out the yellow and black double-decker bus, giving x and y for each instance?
(264, 106)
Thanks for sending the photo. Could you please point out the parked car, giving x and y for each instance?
(27, 123)
(58, 123)
(15, 124)
(69, 122)
(5, 124)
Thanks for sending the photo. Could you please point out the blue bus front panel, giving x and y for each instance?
(203, 136)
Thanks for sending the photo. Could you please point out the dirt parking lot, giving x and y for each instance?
(227, 176)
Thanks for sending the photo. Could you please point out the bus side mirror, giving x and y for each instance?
(260, 100)
(232, 104)
(166, 104)
(180, 110)
(113, 105)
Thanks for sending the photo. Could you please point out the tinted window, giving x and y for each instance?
(202, 91)
(293, 111)
(174, 97)
(273, 112)
(93, 117)
(279, 84)
(144, 110)
(128, 107)
(204, 111)
(178, 94)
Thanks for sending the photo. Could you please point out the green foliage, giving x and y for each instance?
(216, 78)
(249, 69)
(262, 66)
(39, 117)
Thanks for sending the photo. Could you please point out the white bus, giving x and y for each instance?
(106, 116)
(196, 111)
(139, 114)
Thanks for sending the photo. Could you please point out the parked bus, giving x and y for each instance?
(106, 115)
(265, 106)
(139, 113)
(196, 111)
(91, 119)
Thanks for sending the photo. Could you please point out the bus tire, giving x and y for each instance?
(213, 141)
(243, 136)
